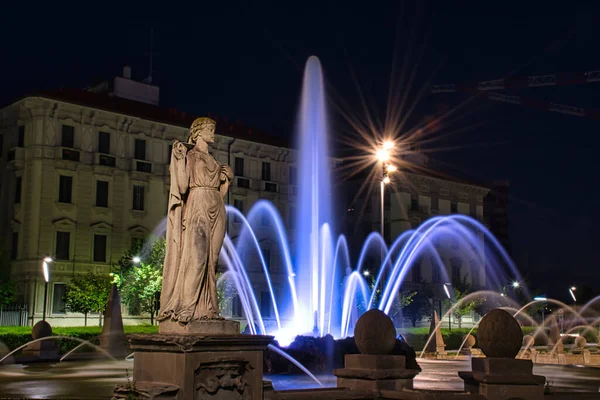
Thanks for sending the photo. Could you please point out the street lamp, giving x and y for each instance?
(45, 261)
(383, 156)
(572, 291)
(446, 289)
(136, 260)
(516, 285)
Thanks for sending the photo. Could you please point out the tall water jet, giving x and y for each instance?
(314, 200)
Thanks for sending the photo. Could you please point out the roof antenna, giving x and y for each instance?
(148, 80)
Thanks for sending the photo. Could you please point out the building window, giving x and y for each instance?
(138, 198)
(435, 271)
(68, 136)
(414, 204)
(270, 187)
(140, 149)
(104, 142)
(239, 166)
(99, 248)
(58, 299)
(266, 253)
(453, 207)
(18, 188)
(293, 172)
(266, 171)
(243, 183)
(239, 204)
(236, 306)
(65, 188)
(456, 265)
(14, 248)
(416, 273)
(101, 194)
(292, 218)
(63, 245)
(265, 304)
(21, 137)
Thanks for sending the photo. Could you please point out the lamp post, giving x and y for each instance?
(572, 290)
(45, 261)
(383, 155)
(447, 291)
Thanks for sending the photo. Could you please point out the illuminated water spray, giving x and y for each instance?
(321, 292)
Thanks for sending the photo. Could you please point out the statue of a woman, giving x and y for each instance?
(195, 228)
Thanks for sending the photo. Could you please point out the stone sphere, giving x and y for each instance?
(41, 329)
(470, 341)
(499, 335)
(528, 341)
(375, 333)
(580, 342)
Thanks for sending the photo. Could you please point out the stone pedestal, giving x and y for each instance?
(43, 350)
(374, 372)
(186, 367)
(203, 327)
(503, 378)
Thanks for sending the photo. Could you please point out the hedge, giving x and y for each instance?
(15, 336)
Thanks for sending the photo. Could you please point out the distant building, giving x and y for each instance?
(85, 176)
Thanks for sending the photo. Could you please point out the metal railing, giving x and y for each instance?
(13, 315)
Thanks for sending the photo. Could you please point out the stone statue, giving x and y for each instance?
(195, 228)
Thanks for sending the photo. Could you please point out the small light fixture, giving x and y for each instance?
(136, 260)
(516, 284)
(446, 290)
(383, 155)
(388, 145)
(386, 180)
(391, 168)
(366, 272)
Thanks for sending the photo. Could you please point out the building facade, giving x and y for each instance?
(85, 177)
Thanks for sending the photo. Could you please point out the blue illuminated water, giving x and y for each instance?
(322, 292)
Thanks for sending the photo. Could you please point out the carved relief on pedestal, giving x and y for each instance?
(223, 379)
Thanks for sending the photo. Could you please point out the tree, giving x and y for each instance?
(8, 293)
(88, 293)
(226, 291)
(417, 305)
(462, 289)
(140, 288)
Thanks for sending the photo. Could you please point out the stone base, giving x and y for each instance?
(186, 367)
(202, 327)
(374, 372)
(44, 350)
(503, 378)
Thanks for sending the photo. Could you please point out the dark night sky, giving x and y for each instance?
(244, 62)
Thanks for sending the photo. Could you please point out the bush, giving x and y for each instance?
(16, 336)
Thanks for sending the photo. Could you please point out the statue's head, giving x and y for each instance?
(203, 128)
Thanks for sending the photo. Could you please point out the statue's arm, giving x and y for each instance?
(226, 179)
(183, 177)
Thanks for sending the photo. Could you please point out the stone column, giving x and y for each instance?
(375, 368)
(186, 367)
(500, 376)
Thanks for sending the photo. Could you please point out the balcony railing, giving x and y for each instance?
(106, 160)
(143, 166)
(71, 155)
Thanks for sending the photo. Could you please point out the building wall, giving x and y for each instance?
(40, 163)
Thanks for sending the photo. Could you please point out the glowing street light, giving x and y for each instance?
(136, 260)
(386, 179)
(383, 155)
(572, 292)
(516, 284)
(388, 145)
(46, 273)
(446, 285)
(366, 272)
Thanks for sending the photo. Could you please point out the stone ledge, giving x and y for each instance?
(202, 327)
(375, 374)
(196, 343)
(365, 361)
(504, 379)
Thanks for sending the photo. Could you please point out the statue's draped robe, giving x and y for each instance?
(195, 234)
